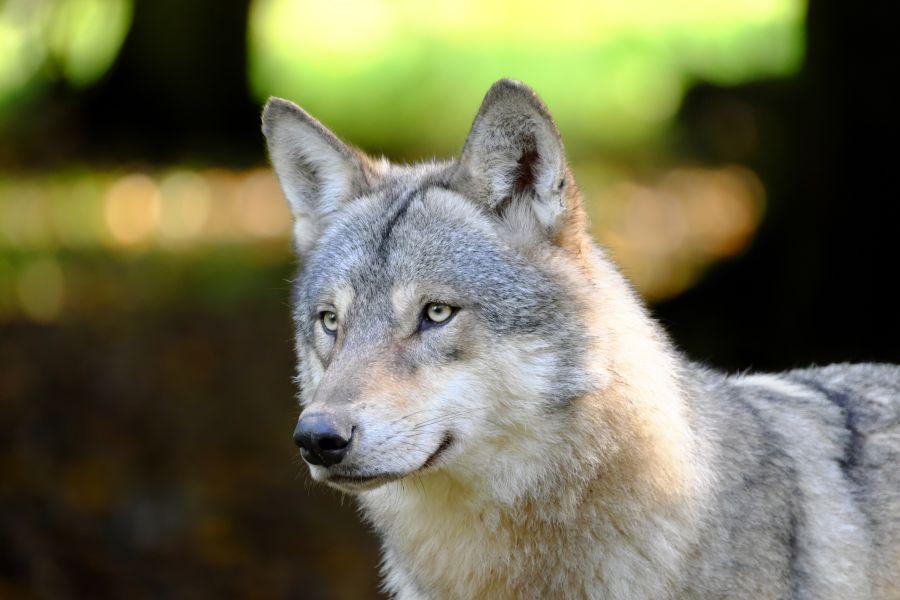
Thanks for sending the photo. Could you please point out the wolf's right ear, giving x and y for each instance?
(317, 171)
(513, 162)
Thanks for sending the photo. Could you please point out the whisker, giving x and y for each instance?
(446, 416)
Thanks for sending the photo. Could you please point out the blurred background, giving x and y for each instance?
(738, 159)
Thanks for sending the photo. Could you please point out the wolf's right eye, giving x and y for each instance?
(329, 321)
(435, 314)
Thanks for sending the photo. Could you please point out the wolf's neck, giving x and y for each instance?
(641, 403)
(618, 478)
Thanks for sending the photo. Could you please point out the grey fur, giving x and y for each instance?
(759, 542)
(642, 475)
(398, 237)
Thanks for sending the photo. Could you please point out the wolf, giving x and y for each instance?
(478, 373)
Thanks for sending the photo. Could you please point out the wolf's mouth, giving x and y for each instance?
(369, 481)
(445, 443)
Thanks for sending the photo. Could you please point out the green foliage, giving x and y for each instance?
(46, 40)
(396, 76)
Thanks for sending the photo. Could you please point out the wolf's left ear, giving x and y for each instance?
(514, 161)
(318, 172)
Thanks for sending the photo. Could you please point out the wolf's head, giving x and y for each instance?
(439, 307)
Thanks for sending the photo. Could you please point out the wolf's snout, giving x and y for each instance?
(323, 439)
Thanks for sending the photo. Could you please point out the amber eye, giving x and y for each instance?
(438, 313)
(329, 321)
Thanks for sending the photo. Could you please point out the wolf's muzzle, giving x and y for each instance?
(322, 439)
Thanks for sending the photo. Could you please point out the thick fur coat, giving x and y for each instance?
(540, 437)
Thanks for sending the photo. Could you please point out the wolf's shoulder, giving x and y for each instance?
(851, 410)
(863, 378)
(872, 385)
(871, 391)
(863, 396)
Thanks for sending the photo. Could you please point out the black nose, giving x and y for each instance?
(322, 439)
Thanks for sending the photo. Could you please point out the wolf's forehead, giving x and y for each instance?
(415, 233)
(434, 242)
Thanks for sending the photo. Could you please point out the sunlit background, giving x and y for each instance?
(144, 257)
(399, 81)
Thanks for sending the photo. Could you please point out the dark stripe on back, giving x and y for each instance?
(849, 461)
(778, 458)
(852, 452)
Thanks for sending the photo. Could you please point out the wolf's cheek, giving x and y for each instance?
(309, 373)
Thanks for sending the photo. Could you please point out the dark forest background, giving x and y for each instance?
(145, 446)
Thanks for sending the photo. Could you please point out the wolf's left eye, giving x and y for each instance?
(436, 313)
(329, 321)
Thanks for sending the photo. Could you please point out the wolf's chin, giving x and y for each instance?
(354, 484)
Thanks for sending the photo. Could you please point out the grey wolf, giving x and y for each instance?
(513, 422)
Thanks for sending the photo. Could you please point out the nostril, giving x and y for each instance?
(332, 442)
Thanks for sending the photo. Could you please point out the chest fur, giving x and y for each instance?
(463, 552)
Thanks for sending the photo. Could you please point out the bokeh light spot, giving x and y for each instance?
(8, 301)
(40, 289)
(184, 206)
(85, 36)
(260, 207)
(132, 208)
(665, 232)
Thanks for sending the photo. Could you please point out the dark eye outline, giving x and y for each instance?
(425, 322)
(327, 331)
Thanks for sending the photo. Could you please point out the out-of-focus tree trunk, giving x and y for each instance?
(177, 92)
(180, 82)
(817, 282)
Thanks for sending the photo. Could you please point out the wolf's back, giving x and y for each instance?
(868, 397)
(808, 470)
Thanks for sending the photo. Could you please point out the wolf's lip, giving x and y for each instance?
(366, 481)
(363, 480)
(445, 443)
